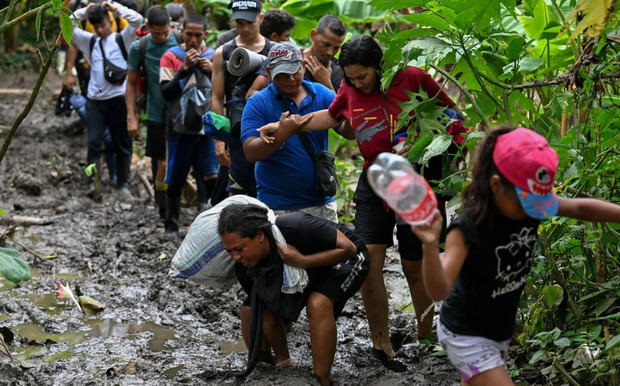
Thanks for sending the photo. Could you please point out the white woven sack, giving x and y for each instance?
(202, 258)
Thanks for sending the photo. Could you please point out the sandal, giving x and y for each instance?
(388, 362)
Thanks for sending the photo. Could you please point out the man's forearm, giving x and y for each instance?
(255, 149)
(70, 58)
(217, 106)
(130, 99)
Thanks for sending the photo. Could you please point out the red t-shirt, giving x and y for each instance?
(373, 116)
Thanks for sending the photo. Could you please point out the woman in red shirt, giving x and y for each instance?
(371, 115)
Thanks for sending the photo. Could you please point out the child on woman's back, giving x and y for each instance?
(489, 249)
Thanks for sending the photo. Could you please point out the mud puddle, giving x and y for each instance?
(154, 330)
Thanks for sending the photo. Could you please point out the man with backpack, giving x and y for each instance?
(184, 78)
(78, 101)
(106, 52)
(143, 65)
(248, 17)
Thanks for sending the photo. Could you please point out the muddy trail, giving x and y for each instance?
(154, 330)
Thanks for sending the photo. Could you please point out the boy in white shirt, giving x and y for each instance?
(106, 99)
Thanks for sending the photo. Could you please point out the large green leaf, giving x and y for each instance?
(438, 146)
(419, 148)
(465, 75)
(12, 267)
(477, 13)
(413, 33)
(553, 295)
(66, 27)
(613, 343)
(530, 64)
(541, 17)
(359, 11)
(431, 49)
(393, 5)
(429, 20)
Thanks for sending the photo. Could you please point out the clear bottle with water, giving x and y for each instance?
(392, 177)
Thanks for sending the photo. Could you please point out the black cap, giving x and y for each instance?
(245, 9)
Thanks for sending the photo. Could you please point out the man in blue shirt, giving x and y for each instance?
(284, 170)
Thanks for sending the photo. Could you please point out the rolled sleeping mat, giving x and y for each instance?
(243, 61)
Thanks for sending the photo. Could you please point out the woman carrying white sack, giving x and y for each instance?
(268, 253)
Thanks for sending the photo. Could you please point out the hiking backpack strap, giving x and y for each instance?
(121, 45)
(142, 49)
(91, 45)
(178, 36)
(178, 52)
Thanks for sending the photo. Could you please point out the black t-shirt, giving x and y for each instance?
(485, 297)
(309, 234)
(337, 74)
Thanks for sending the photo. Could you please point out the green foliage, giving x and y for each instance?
(20, 61)
(307, 13)
(346, 174)
(12, 267)
(504, 53)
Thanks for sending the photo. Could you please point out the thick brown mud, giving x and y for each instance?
(154, 330)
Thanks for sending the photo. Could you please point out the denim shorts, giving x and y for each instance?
(472, 355)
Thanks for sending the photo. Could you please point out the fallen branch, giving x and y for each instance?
(146, 184)
(25, 220)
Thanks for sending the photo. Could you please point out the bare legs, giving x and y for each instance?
(421, 301)
(375, 300)
(495, 377)
(322, 335)
(376, 303)
(274, 335)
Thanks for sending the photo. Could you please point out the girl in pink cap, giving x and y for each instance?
(489, 249)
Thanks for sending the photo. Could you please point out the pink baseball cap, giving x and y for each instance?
(526, 159)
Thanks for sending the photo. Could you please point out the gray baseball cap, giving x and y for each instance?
(284, 58)
(245, 9)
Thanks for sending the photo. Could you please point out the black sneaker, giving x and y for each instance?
(63, 105)
(390, 363)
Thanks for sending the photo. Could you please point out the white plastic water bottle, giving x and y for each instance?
(392, 177)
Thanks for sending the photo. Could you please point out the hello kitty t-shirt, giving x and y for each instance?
(485, 296)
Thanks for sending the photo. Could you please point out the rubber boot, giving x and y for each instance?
(204, 188)
(109, 154)
(160, 198)
(173, 210)
(123, 164)
(110, 160)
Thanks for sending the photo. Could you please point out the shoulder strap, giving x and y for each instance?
(102, 50)
(178, 52)
(142, 49)
(208, 53)
(117, 19)
(228, 48)
(93, 39)
(302, 136)
(177, 36)
(121, 44)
